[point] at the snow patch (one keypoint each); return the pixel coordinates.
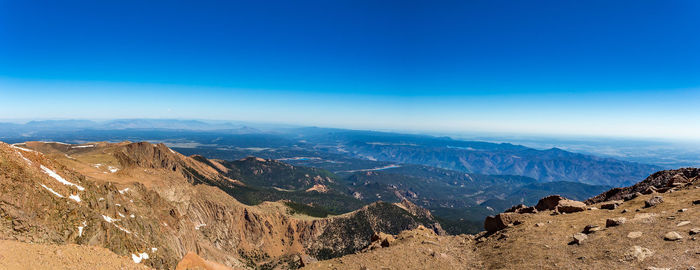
(109, 219)
(74, 197)
(113, 169)
(196, 227)
(52, 191)
(154, 249)
(59, 178)
(171, 151)
(138, 258)
(123, 190)
(118, 204)
(120, 214)
(100, 199)
(80, 229)
(22, 148)
(83, 146)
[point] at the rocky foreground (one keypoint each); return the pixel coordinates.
(141, 205)
(657, 228)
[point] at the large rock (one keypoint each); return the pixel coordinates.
(579, 238)
(653, 201)
(570, 206)
(611, 205)
(499, 222)
(672, 236)
(548, 203)
(612, 222)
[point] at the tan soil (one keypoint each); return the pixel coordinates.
(18, 255)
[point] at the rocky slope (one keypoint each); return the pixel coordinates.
(658, 230)
(153, 205)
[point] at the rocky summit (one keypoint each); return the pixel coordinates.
(141, 205)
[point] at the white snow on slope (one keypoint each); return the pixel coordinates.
(83, 146)
(21, 148)
(74, 197)
(196, 227)
(112, 169)
(59, 178)
(140, 257)
(52, 191)
(123, 190)
(80, 229)
(109, 219)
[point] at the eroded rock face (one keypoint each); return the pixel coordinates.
(161, 221)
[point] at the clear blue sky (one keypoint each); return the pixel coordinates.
(622, 68)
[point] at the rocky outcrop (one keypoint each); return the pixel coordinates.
(657, 182)
(500, 221)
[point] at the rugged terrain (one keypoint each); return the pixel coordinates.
(643, 232)
(154, 205)
(148, 205)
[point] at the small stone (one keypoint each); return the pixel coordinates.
(624, 211)
(696, 202)
(653, 201)
(638, 253)
(539, 224)
(612, 222)
(683, 223)
(682, 210)
(672, 236)
(634, 235)
(579, 238)
(694, 231)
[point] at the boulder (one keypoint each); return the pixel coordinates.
(612, 222)
(570, 206)
(611, 205)
(672, 236)
(694, 231)
(653, 201)
(579, 238)
(500, 221)
(696, 202)
(548, 203)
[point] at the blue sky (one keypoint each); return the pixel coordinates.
(605, 68)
